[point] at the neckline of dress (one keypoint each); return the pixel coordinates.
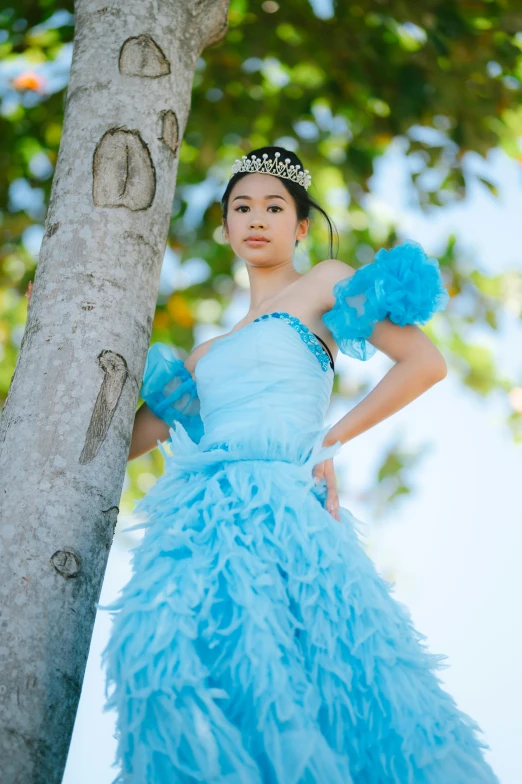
(254, 321)
(284, 314)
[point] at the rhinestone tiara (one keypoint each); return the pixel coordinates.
(266, 165)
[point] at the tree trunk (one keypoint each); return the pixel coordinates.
(67, 421)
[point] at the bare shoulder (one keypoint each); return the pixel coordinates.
(324, 275)
(196, 354)
(192, 360)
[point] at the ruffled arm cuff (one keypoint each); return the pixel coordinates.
(170, 391)
(402, 284)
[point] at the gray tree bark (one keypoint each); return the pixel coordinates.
(67, 422)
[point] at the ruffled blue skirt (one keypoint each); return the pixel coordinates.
(256, 642)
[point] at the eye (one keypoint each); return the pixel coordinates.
(241, 208)
(275, 207)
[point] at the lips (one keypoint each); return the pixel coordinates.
(257, 239)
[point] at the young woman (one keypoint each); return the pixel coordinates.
(255, 641)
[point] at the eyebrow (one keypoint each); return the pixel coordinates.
(273, 196)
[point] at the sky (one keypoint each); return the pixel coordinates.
(454, 546)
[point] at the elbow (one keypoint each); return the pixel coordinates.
(431, 369)
(435, 369)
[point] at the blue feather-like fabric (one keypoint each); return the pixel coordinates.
(403, 284)
(255, 642)
(169, 390)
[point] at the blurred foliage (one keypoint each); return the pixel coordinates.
(338, 87)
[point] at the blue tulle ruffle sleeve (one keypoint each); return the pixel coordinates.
(170, 391)
(402, 284)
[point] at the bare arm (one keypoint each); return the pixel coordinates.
(147, 429)
(418, 365)
(406, 380)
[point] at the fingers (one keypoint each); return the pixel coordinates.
(332, 498)
(326, 469)
(332, 505)
(29, 291)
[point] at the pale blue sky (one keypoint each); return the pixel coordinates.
(454, 548)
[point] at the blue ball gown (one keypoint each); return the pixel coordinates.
(255, 641)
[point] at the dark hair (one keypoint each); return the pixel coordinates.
(303, 202)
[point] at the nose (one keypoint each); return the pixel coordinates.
(257, 222)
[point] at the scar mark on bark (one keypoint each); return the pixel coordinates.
(32, 328)
(137, 237)
(111, 516)
(141, 56)
(52, 229)
(115, 369)
(219, 34)
(170, 130)
(67, 562)
(123, 171)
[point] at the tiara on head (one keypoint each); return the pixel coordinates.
(266, 165)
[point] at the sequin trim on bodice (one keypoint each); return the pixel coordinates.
(309, 337)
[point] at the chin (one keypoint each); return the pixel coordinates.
(255, 254)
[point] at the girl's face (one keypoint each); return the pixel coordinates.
(261, 224)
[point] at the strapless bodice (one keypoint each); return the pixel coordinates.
(263, 375)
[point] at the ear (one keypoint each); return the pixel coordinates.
(225, 230)
(302, 229)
